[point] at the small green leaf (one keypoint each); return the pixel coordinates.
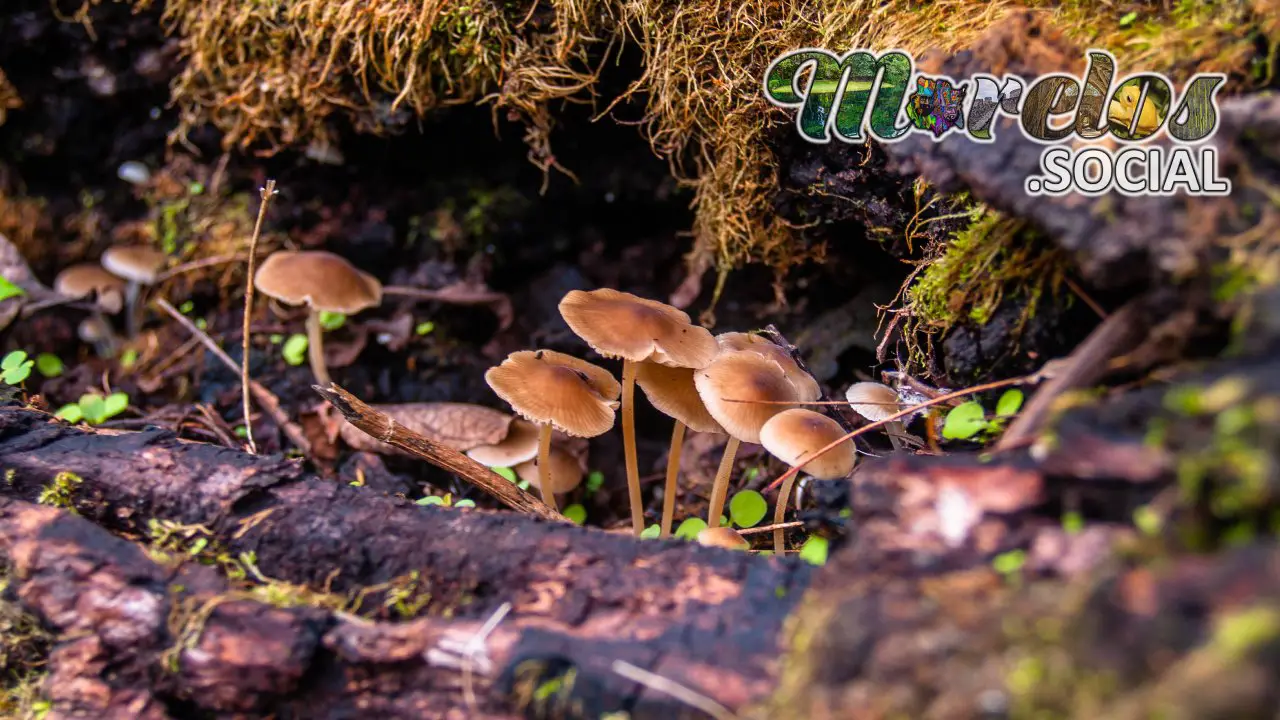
(964, 421)
(1072, 523)
(748, 508)
(187, 307)
(653, 532)
(1147, 520)
(1128, 18)
(690, 528)
(1009, 562)
(9, 290)
(202, 323)
(523, 485)
(295, 349)
(240, 431)
(507, 473)
(70, 412)
(275, 338)
(1009, 403)
(465, 502)
(114, 404)
(424, 328)
(49, 365)
(195, 188)
(814, 551)
(93, 407)
(431, 500)
(128, 358)
(198, 545)
(332, 320)
(13, 360)
(576, 513)
(595, 481)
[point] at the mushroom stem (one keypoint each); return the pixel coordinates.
(893, 430)
(721, 487)
(132, 310)
(673, 473)
(629, 444)
(544, 466)
(315, 348)
(779, 513)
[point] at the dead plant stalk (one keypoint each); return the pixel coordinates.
(267, 191)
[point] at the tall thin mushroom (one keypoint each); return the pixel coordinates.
(875, 402)
(793, 436)
(621, 325)
(139, 265)
(671, 390)
(556, 391)
(322, 281)
(728, 386)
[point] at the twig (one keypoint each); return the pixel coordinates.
(381, 427)
(1083, 366)
(265, 193)
(770, 528)
(187, 267)
(903, 413)
(266, 399)
(689, 697)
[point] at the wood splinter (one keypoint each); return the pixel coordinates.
(379, 426)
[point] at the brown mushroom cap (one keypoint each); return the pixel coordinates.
(740, 341)
(85, 279)
(460, 426)
(545, 386)
(621, 325)
(566, 471)
(135, 263)
(520, 444)
(320, 279)
(92, 329)
(744, 376)
(671, 390)
(873, 400)
(796, 434)
(723, 537)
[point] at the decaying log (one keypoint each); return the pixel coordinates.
(584, 598)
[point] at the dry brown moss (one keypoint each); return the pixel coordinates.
(276, 74)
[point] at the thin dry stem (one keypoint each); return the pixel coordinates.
(268, 191)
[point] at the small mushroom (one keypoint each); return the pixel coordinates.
(520, 445)
(556, 391)
(671, 390)
(723, 537)
(565, 470)
(138, 265)
(876, 402)
(88, 279)
(324, 282)
(621, 325)
(460, 426)
(804, 382)
(757, 382)
(795, 435)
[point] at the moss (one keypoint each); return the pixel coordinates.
(61, 492)
(272, 75)
(24, 650)
(966, 278)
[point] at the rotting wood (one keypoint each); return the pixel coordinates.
(381, 427)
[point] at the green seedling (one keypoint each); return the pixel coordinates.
(595, 481)
(1009, 563)
(689, 529)
(511, 476)
(331, 321)
(815, 549)
(128, 358)
(94, 408)
(1072, 523)
(653, 532)
(295, 349)
(576, 513)
(49, 365)
(15, 368)
(186, 307)
(969, 420)
(424, 328)
(748, 508)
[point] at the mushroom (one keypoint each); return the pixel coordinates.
(460, 426)
(795, 435)
(671, 390)
(565, 471)
(83, 280)
(621, 325)
(804, 382)
(876, 402)
(723, 537)
(138, 265)
(325, 283)
(743, 376)
(556, 391)
(520, 445)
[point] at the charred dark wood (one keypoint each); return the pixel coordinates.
(711, 617)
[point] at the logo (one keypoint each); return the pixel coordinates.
(861, 95)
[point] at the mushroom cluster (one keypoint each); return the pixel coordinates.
(113, 285)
